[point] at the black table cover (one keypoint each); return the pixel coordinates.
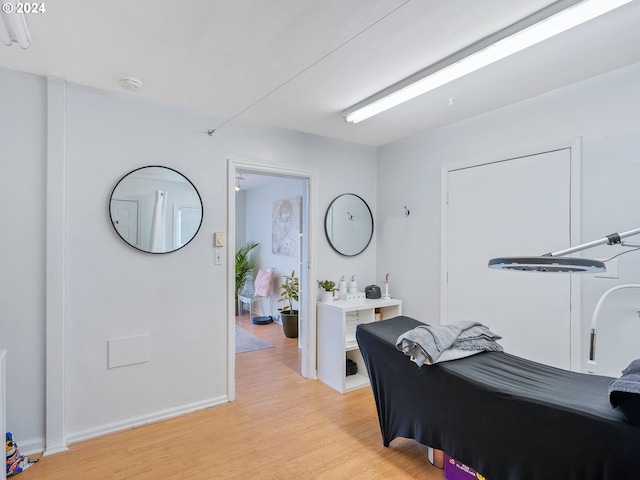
(504, 416)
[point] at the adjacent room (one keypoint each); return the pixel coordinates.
(374, 158)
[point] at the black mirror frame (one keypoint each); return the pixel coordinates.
(326, 233)
(141, 249)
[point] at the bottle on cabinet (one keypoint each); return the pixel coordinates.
(353, 285)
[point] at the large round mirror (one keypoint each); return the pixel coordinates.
(156, 209)
(348, 224)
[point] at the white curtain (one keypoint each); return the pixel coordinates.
(158, 223)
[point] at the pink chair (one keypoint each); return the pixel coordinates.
(261, 289)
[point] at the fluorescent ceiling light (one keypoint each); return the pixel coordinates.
(13, 28)
(526, 37)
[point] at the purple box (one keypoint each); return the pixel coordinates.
(455, 470)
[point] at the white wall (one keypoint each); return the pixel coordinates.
(116, 291)
(603, 111)
(22, 250)
(347, 177)
(112, 290)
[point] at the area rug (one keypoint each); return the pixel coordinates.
(247, 342)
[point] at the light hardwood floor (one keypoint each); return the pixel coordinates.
(281, 426)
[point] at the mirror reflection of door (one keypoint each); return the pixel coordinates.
(124, 215)
(186, 221)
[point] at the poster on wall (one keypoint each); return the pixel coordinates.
(285, 227)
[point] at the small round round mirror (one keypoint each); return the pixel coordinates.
(348, 225)
(156, 209)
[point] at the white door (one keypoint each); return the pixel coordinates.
(124, 214)
(514, 207)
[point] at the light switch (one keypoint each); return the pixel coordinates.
(218, 239)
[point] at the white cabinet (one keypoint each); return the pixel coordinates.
(337, 322)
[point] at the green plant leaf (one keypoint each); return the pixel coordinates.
(245, 265)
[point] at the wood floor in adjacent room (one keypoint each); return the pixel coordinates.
(281, 426)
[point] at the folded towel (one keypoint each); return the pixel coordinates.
(426, 343)
(453, 353)
(629, 382)
(478, 337)
(623, 393)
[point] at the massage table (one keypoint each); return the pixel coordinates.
(504, 416)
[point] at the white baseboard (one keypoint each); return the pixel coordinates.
(53, 451)
(37, 446)
(30, 447)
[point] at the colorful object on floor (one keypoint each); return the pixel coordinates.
(455, 470)
(16, 463)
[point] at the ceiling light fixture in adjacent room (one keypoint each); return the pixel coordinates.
(532, 30)
(13, 28)
(238, 178)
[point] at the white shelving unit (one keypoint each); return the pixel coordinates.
(337, 323)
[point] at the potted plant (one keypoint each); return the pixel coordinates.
(289, 294)
(245, 265)
(328, 287)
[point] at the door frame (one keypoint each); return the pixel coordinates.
(308, 367)
(574, 146)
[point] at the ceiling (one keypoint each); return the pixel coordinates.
(298, 64)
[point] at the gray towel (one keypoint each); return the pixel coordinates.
(426, 343)
(629, 382)
(477, 337)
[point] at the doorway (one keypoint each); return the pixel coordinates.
(275, 183)
(269, 215)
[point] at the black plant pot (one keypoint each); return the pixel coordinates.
(290, 323)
